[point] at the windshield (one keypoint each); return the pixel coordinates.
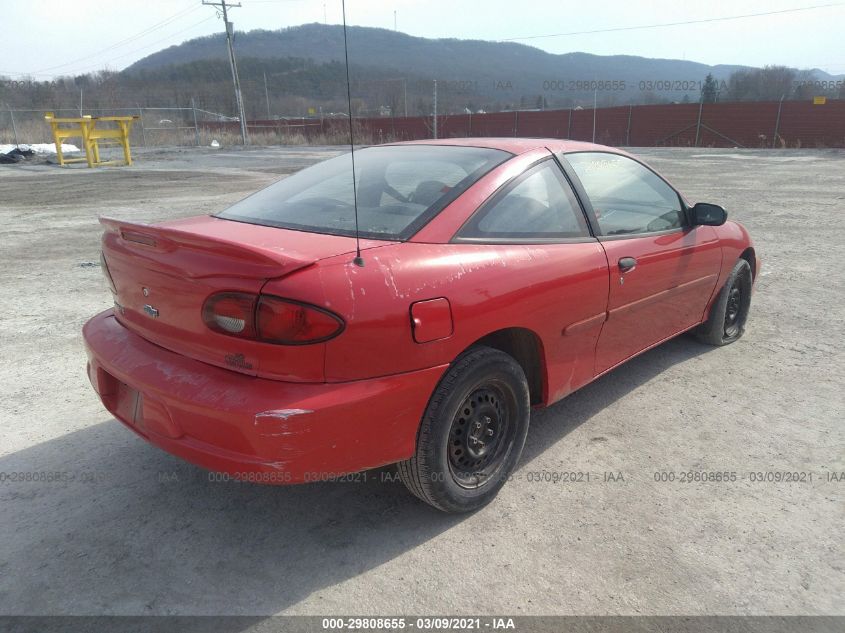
(400, 188)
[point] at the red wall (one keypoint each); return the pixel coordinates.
(752, 124)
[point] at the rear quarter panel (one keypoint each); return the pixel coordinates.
(542, 288)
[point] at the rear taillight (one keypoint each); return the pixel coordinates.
(283, 321)
(231, 313)
(269, 319)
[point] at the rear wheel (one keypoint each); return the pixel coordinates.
(472, 433)
(729, 313)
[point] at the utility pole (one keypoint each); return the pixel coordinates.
(267, 95)
(235, 79)
(435, 108)
(698, 124)
(14, 127)
(777, 122)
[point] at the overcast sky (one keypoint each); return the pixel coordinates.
(50, 37)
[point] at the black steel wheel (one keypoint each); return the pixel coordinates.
(726, 322)
(472, 433)
(482, 433)
(733, 310)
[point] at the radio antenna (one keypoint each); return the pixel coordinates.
(358, 261)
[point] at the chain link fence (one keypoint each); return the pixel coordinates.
(751, 124)
(154, 127)
(182, 126)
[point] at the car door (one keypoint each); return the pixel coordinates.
(662, 271)
(553, 278)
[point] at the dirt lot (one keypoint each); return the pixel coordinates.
(127, 529)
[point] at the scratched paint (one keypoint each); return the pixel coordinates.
(281, 414)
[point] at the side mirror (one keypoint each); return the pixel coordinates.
(707, 214)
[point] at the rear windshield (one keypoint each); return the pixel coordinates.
(400, 188)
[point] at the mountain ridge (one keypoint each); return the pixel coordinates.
(392, 69)
(402, 52)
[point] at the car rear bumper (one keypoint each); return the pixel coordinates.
(252, 428)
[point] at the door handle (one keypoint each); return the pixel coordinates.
(626, 264)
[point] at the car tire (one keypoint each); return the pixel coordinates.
(726, 322)
(472, 432)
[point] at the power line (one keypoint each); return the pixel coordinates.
(163, 39)
(666, 24)
(131, 38)
(132, 52)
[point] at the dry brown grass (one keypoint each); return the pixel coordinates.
(31, 128)
(29, 131)
(36, 130)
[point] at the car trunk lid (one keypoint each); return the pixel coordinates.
(163, 274)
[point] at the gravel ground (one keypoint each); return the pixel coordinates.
(123, 528)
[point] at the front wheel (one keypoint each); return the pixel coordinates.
(472, 433)
(726, 322)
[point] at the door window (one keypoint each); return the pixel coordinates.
(627, 197)
(538, 204)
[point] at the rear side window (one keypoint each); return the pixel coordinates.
(400, 188)
(537, 205)
(406, 178)
(627, 197)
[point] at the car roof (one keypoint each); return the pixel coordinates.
(516, 145)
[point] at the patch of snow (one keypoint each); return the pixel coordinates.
(40, 148)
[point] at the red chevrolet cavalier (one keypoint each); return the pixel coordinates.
(496, 275)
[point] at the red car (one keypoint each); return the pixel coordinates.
(496, 275)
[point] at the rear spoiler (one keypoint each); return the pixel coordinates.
(210, 252)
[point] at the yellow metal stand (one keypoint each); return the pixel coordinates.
(87, 128)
